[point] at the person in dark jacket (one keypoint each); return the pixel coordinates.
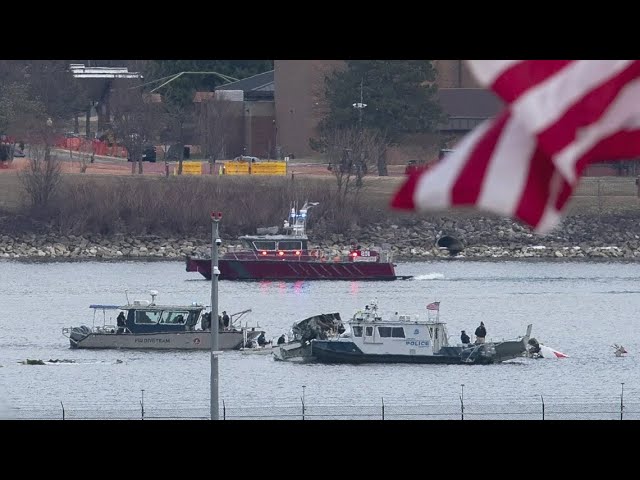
(282, 340)
(481, 333)
(121, 322)
(261, 340)
(464, 338)
(225, 319)
(206, 321)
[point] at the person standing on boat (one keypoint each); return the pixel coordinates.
(262, 341)
(206, 321)
(481, 333)
(121, 321)
(464, 338)
(225, 319)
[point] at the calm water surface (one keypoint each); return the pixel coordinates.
(578, 308)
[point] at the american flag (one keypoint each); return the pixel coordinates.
(434, 306)
(560, 116)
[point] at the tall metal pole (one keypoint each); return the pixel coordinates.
(215, 242)
(361, 104)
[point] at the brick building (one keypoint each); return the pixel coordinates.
(299, 91)
(278, 110)
(253, 125)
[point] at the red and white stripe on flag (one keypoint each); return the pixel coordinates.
(561, 115)
(434, 306)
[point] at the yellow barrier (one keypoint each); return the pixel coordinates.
(189, 168)
(269, 168)
(236, 168)
(192, 168)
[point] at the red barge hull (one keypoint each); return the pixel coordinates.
(285, 269)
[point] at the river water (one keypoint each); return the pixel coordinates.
(580, 309)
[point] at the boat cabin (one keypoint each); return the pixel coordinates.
(293, 244)
(398, 335)
(276, 245)
(145, 317)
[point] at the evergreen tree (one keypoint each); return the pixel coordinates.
(399, 97)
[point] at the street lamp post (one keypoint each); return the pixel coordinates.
(360, 105)
(215, 243)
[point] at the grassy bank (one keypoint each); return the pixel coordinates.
(181, 205)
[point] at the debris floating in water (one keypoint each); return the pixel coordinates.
(32, 362)
(619, 350)
(29, 361)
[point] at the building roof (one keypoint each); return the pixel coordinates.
(260, 82)
(467, 107)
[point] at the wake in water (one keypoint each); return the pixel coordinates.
(429, 276)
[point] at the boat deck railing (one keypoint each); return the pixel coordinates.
(104, 329)
(316, 255)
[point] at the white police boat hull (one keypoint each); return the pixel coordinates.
(406, 339)
(334, 351)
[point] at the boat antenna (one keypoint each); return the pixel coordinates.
(154, 294)
(126, 294)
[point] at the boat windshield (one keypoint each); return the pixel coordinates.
(267, 245)
(166, 317)
(175, 318)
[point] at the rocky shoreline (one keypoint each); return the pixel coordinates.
(580, 238)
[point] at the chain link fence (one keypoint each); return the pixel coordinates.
(613, 409)
(604, 194)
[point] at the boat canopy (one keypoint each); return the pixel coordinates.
(105, 307)
(153, 306)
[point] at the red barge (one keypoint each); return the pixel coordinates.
(287, 256)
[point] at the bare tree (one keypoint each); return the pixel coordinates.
(375, 145)
(137, 119)
(41, 177)
(179, 115)
(52, 84)
(214, 126)
(34, 106)
(352, 154)
(20, 114)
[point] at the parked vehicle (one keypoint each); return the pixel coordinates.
(246, 158)
(148, 154)
(412, 166)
